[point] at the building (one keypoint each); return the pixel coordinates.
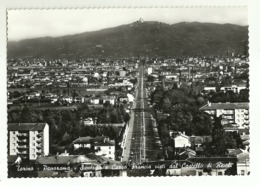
(243, 160)
(210, 89)
(122, 73)
(105, 148)
(234, 88)
(182, 140)
(101, 145)
(243, 164)
(88, 121)
(28, 140)
(149, 70)
(237, 113)
(110, 99)
(214, 166)
(88, 165)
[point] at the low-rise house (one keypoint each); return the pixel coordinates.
(123, 99)
(89, 165)
(209, 89)
(110, 99)
(105, 148)
(182, 140)
(88, 121)
(214, 166)
(243, 164)
(101, 145)
(79, 99)
(243, 161)
(170, 168)
(54, 99)
(234, 88)
(95, 100)
(68, 99)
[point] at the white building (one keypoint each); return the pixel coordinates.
(101, 144)
(110, 99)
(130, 97)
(69, 99)
(149, 70)
(106, 148)
(243, 164)
(231, 112)
(234, 88)
(182, 140)
(28, 140)
(88, 121)
(210, 89)
(95, 100)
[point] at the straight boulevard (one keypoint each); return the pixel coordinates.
(142, 142)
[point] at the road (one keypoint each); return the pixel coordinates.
(142, 142)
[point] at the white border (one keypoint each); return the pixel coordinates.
(254, 50)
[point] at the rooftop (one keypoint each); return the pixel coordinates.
(55, 159)
(226, 106)
(26, 126)
(62, 160)
(89, 139)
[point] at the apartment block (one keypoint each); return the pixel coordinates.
(28, 140)
(233, 113)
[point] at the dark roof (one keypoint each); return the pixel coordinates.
(226, 106)
(89, 139)
(167, 163)
(106, 143)
(212, 159)
(12, 159)
(55, 159)
(243, 157)
(71, 159)
(26, 126)
(235, 152)
(86, 139)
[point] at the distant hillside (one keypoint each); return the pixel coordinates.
(146, 38)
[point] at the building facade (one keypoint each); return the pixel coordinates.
(28, 140)
(101, 145)
(233, 113)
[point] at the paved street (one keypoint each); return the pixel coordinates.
(142, 143)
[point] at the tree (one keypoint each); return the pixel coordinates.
(157, 95)
(202, 124)
(126, 117)
(150, 78)
(180, 118)
(25, 115)
(166, 104)
(221, 140)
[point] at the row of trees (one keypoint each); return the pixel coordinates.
(221, 140)
(181, 110)
(177, 109)
(229, 96)
(113, 114)
(65, 125)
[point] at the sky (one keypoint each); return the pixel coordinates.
(23, 24)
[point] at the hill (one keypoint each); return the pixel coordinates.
(139, 38)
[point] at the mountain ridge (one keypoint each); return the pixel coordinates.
(138, 38)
